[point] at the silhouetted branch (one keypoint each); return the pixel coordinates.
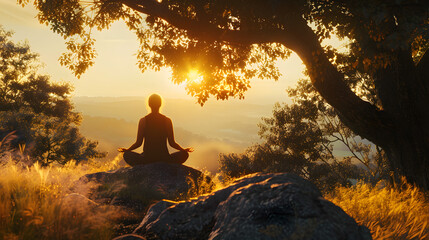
(361, 116)
(205, 30)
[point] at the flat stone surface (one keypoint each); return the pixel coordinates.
(138, 187)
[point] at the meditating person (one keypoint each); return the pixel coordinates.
(155, 129)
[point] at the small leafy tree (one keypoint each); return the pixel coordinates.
(301, 138)
(38, 111)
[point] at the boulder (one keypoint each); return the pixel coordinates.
(259, 206)
(129, 237)
(138, 187)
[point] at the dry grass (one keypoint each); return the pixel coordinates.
(35, 203)
(389, 213)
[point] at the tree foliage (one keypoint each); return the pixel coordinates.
(230, 42)
(38, 111)
(307, 138)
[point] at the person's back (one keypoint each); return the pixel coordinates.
(155, 129)
(155, 144)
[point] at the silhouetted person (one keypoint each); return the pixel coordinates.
(156, 129)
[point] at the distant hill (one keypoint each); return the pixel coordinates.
(217, 127)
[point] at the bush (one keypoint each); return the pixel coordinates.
(307, 138)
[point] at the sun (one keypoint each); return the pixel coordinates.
(195, 76)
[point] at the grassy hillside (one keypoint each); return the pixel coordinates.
(36, 203)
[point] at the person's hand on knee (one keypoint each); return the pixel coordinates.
(189, 149)
(122, 149)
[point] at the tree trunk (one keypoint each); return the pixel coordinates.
(400, 126)
(409, 157)
(403, 91)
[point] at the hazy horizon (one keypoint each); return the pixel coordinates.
(216, 128)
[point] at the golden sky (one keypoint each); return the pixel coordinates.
(218, 127)
(115, 72)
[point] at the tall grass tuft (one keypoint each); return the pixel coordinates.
(37, 203)
(389, 212)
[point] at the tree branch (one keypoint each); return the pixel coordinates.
(204, 30)
(361, 116)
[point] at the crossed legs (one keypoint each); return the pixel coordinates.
(133, 158)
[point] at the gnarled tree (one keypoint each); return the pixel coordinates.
(229, 42)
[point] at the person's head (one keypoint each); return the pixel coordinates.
(155, 102)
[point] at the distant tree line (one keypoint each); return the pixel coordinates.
(37, 117)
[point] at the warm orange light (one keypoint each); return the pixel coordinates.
(194, 76)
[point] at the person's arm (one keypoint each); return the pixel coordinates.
(170, 138)
(139, 139)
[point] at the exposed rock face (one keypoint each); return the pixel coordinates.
(269, 206)
(138, 186)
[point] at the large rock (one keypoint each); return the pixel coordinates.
(269, 206)
(129, 237)
(137, 187)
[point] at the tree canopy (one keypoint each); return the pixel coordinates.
(37, 111)
(229, 42)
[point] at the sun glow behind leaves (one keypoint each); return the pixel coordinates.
(195, 76)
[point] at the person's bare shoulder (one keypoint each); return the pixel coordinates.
(167, 119)
(142, 120)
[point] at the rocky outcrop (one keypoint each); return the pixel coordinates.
(260, 206)
(138, 187)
